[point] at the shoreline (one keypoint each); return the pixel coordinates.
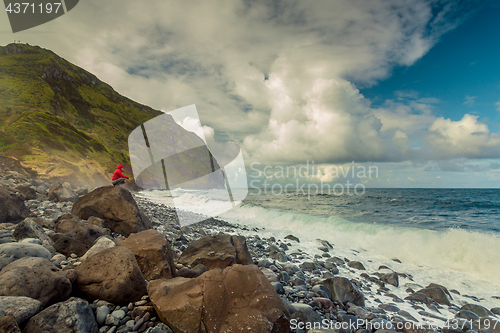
(379, 297)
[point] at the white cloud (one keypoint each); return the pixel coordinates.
(470, 100)
(280, 78)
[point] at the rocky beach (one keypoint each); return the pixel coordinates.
(109, 260)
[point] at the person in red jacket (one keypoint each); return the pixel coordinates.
(118, 177)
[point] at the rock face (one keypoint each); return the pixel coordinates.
(12, 208)
(153, 254)
(62, 192)
(28, 192)
(343, 290)
(37, 278)
(115, 206)
(216, 251)
(236, 299)
(10, 252)
(21, 308)
(8, 325)
(113, 275)
(75, 315)
(77, 241)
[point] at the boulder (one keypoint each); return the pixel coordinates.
(436, 293)
(342, 290)
(480, 310)
(78, 241)
(74, 315)
(191, 272)
(102, 243)
(113, 276)
(28, 228)
(391, 278)
(37, 278)
(8, 325)
(28, 192)
(236, 299)
(153, 254)
(21, 308)
(69, 222)
(356, 265)
(10, 252)
(216, 251)
(62, 192)
(12, 207)
(115, 206)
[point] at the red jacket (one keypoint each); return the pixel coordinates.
(118, 173)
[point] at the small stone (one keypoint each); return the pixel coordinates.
(101, 314)
(119, 314)
(110, 320)
(139, 303)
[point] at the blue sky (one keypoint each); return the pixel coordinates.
(462, 71)
(409, 86)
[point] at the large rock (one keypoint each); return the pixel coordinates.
(153, 254)
(21, 308)
(115, 206)
(216, 251)
(343, 290)
(480, 310)
(77, 241)
(113, 275)
(12, 207)
(236, 299)
(437, 294)
(75, 316)
(28, 192)
(28, 228)
(62, 192)
(70, 222)
(10, 252)
(37, 278)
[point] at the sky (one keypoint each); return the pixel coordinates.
(411, 87)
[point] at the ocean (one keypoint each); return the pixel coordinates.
(445, 236)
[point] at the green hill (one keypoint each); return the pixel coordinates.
(62, 121)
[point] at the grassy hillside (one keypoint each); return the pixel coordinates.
(61, 120)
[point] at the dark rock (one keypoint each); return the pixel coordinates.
(12, 207)
(238, 299)
(37, 278)
(437, 294)
(28, 192)
(73, 315)
(418, 297)
(342, 290)
(192, 273)
(390, 278)
(21, 308)
(62, 192)
(479, 310)
(292, 237)
(116, 207)
(112, 275)
(28, 228)
(153, 254)
(356, 265)
(216, 251)
(77, 241)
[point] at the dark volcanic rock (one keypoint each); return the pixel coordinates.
(77, 241)
(37, 278)
(73, 315)
(343, 290)
(236, 299)
(115, 206)
(153, 254)
(12, 207)
(216, 251)
(112, 275)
